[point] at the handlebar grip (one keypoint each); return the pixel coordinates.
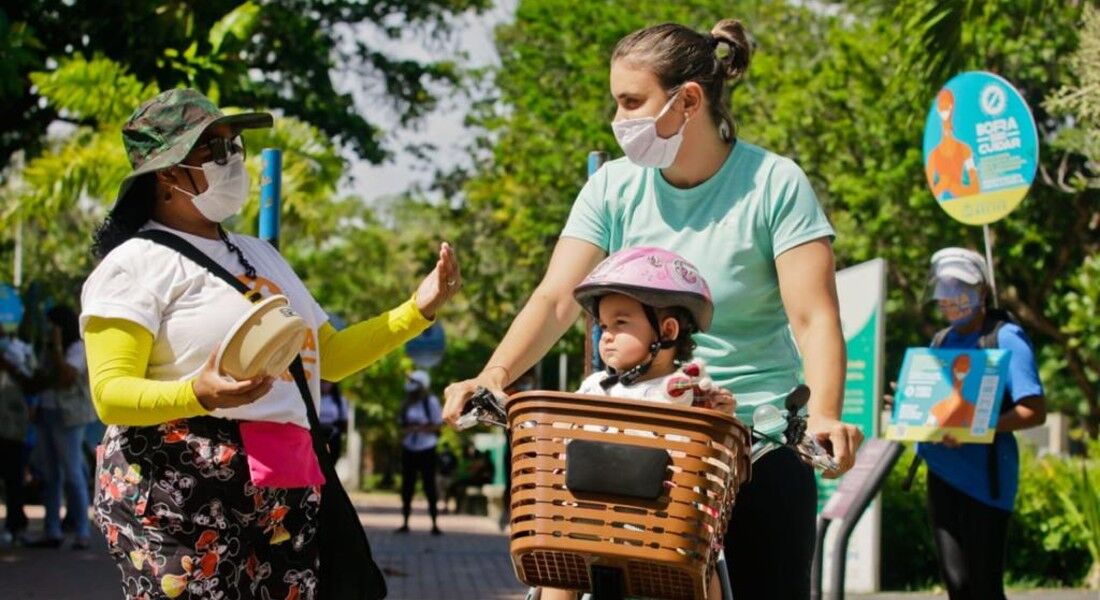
(466, 421)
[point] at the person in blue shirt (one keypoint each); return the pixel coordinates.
(420, 417)
(972, 487)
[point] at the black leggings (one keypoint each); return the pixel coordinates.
(415, 464)
(11, 471)
(970, 542)
(770, 537)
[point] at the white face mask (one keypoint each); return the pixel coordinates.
(226, 188)
(639, 140)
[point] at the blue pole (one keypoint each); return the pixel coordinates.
(271, 192)
(596, 159)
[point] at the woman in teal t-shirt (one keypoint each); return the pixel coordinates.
(751, 223)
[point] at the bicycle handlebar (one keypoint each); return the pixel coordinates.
(484, 407)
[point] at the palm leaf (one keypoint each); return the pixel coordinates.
(98, 90)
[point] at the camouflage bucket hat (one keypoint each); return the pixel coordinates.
(164, 129)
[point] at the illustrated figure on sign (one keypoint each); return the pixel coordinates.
(951, 171)
(954, 410)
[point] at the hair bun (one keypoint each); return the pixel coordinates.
(740, 47)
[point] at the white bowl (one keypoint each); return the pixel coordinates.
(262, 342)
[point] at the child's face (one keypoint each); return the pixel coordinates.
(627, 333)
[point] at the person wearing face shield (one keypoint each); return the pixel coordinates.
(751, 222)
(420, 417)
(178, 495)
(972, 487)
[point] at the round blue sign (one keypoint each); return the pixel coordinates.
(981, 147)
(426, 349)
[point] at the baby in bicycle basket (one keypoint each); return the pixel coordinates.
(648, 303)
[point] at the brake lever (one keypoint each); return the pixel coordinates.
(807, 445)
(815, 454)
(482, 407)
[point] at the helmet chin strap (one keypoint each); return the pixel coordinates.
(630, 376)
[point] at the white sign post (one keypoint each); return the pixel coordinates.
(862, 292)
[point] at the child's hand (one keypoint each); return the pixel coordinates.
(717, 398)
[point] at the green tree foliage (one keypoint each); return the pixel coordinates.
(76, 177)
(842, 89)
(278, 54)
(60, 194)
(553, 108)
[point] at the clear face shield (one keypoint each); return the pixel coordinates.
(958, 301)
(952, 270)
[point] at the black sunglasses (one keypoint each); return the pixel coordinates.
(221, 149)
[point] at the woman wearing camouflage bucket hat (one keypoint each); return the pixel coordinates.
(180, 493)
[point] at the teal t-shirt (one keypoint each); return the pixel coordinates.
(732, 227)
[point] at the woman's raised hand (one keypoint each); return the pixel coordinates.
(214, 391)
(441, 284)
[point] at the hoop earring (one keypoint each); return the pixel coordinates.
(724, 130)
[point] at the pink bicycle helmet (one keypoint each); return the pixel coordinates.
(652, 276)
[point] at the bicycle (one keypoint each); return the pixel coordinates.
(620, 498)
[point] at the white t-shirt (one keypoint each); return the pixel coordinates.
(415, 414)
(651, 389)
(190, 310)
(74, 356)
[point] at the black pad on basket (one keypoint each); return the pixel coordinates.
(616, 469)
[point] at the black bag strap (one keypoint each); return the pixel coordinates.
(188, 250)
(994, 320)
(175, 242)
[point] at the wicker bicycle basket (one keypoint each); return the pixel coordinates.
(664, 548)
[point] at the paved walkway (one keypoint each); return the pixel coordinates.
(469, 562)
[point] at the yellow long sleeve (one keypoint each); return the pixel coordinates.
(345, 352)
(118, 354)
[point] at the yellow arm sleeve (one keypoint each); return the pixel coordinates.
(118, 354)
(345, 352)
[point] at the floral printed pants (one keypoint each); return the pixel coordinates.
(183, 519)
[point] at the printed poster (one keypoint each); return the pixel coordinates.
(949, 391)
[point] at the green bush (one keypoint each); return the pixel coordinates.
(1049, 536)
(1046, 544)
